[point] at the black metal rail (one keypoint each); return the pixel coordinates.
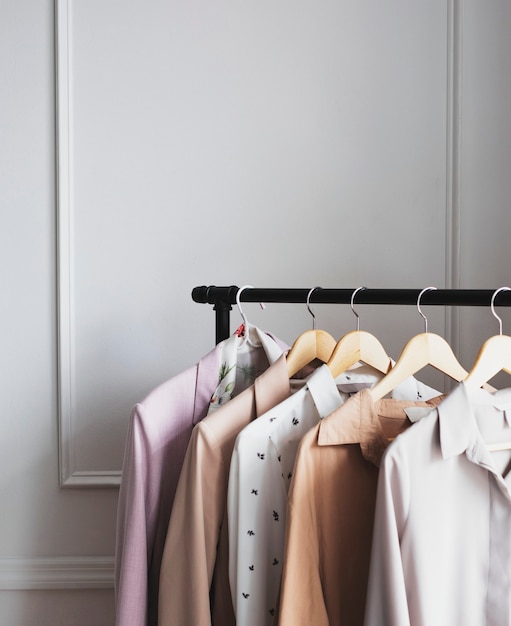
(222, 298)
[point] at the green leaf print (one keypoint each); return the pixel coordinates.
(224, 370)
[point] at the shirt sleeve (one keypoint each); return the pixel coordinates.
(193, 533)
(137, 523)
(158, 433)
(301, 594)
(386, 597)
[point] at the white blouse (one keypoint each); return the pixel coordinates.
(441, 552)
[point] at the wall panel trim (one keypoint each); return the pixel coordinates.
(68, 473)
(454, 63)
(56, 573)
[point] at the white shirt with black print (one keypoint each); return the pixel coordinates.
(260, 475)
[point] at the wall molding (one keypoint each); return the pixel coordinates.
(453, 165)
(56, 573)
(69, 474)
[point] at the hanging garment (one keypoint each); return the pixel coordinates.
(197, 543)
(260, 474)
(158, 434)
(331, 507)
(442, 544)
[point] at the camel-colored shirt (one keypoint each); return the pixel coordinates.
(331, 511)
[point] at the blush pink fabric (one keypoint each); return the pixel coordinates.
(159, 431)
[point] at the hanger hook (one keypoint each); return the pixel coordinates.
(309, 307)
(419, 306)
(353, 308)
(493, 306)
(243, 316)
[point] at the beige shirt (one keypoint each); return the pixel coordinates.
(331, 511)
(194, 580)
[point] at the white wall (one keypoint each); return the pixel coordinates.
(272, 144)
(282, 144)
(485, 188)
(41, 526)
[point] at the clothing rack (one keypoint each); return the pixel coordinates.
(222, 298)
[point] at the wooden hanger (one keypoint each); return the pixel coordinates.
(310, 345)
(494, 355)
(423, 349)
(358, 345)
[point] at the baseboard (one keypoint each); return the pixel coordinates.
(57, 573)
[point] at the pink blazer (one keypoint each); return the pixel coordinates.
(159, 431)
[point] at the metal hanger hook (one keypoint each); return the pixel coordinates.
(352, 305)
(309, 307)
(243, 316)
(493, 305)
(419, 306)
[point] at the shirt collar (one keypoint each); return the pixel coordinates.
(458, 427)
(456, 423)
(413, 389)
(258, 338)
(241, 343)
(361, 376)
(323, 390)
(358, 377)
(358, 421)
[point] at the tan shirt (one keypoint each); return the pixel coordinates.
(194, 578)
(331, 512)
